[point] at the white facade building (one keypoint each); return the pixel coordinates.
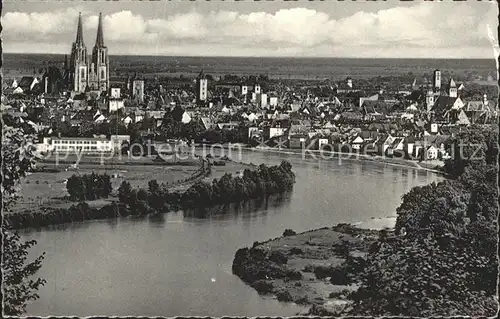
(263, 100)
(115, 93)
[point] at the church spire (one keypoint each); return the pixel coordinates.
(99, 41)
(79, 32)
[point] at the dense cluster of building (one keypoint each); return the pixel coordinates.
(417, 117)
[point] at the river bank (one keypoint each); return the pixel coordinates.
(317, 268)
(429, 166)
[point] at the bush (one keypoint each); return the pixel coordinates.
(296, 251)
(263, 286)
(284, 296)
(278, 257)
(289, 232)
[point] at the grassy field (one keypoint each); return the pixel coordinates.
(48, 189)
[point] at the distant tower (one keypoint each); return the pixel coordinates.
(138, 90)
(429, 100)
(257, 89)
(99, 67)
(349, 82)
(201, 88)
(437, 81)
(78, 68)
(452, 89)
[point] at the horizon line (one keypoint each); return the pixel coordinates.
(271, 57)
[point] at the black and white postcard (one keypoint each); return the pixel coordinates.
(249, 158)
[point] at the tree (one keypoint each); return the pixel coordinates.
(76, 188)
(475, 146)
(430, 276)
(124, 192)
(437, 208)
(177, 113)
(18, 285)
(153, 186)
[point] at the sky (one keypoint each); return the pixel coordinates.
(381, 29)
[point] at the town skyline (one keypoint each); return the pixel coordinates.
(299, 30)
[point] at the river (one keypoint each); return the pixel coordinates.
(179, 265)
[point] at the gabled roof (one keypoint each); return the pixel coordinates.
(396, 141)
(26, 81)
(201, 75)
(452, 83)
(436, 139)
(462, 118)
(475, 106)
(443, 104)
(368, 135)
(373, 107)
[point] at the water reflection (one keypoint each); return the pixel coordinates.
(156, 220)
(246, 209)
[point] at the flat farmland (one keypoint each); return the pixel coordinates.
(47, 189)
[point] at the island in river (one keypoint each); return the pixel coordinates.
(317, 267)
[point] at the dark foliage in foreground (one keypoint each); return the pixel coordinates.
(443, 259)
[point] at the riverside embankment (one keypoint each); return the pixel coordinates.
(433, 166)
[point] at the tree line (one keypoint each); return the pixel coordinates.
(252, 184)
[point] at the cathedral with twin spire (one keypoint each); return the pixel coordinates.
(86, 74)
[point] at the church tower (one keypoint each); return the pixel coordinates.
(436, 83)
(78, 68)
(429, 100)
(201, 88)
(99, 67)
(452, 89)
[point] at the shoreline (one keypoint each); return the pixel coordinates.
(312, 268)
(406, 163)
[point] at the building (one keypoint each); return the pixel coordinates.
(115, 93)
(84, 144)
(263, 100)
(78, 144)
(244, 89)
(201, 88)
(273, 101)
(452, 89)
(429, 100)
(138, 90)
(53, 81)
(257, 89)
(86, 74)
(26, 84)
(436, 82)
(115, 104)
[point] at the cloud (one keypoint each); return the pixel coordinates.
(39, 23)
(425, 26)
